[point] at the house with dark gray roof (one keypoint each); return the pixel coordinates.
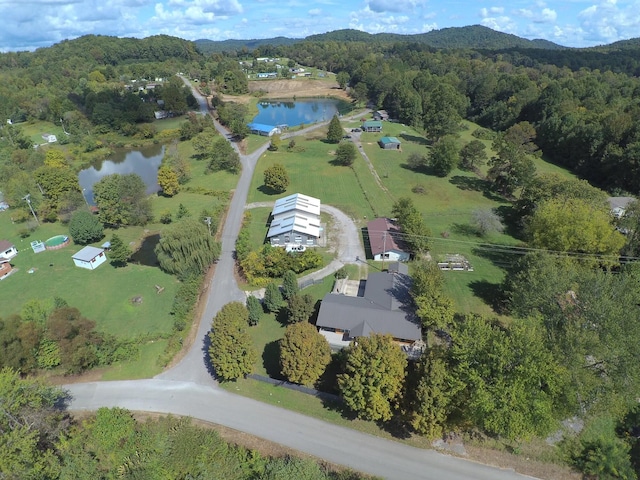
(384, 308)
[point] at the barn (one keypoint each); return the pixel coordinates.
(295, 219)
(389, 143)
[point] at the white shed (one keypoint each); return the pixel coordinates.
(89, 257)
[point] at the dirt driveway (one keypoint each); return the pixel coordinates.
(303, 87)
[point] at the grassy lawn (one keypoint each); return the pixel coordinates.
(258, 226)
(34, 129)
(103, 295)
(145, 366)
(311, 173)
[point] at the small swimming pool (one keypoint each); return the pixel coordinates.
(57, 242)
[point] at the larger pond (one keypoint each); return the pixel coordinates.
(145, 162)
(298, 112)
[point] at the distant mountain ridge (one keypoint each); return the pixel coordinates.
(474, 36)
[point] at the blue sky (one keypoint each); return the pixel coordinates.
(28, 24)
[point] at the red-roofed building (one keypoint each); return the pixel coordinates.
(385, 241)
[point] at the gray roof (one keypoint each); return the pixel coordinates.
(88, 253)
(620, 202)
(384, 308)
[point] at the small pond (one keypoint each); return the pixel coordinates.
(294, 113)
(143, 161)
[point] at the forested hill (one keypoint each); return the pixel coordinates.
(106, 50)
(474, 36)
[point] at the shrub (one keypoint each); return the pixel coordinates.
(85, 227)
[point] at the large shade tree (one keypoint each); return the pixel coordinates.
(231, 350)
(304, 353)
(122, 200)
(374, 376)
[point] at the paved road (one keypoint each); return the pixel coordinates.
(189, 389)
(335, 444)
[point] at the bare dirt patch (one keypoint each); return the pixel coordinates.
(291, 88)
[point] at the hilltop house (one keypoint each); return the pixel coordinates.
(384, 308)
(295, 219)
(380, 115)
(384, 241)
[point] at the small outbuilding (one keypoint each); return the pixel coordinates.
(380, 115)
(7, 250)
(5, 269)
(389, 143)
(385, 241)
(89, 257)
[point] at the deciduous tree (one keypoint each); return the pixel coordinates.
(472, 155)
(273, 298)
(168, 181)
(186, 248)
(374, 376)
(122, 200)
(276, 178)
(346, 154)
(414, 229)
(231, 350)
(444, 156)
(304, 353)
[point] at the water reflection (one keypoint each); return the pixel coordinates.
(144, 162)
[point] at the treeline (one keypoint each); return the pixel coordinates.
(583, 119)
(40, 441)
(50, 335)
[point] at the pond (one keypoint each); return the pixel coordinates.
(294, 113)
(144, 161)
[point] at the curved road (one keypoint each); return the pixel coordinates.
(189, 389)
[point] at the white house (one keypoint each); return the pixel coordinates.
(384, 240)
(7, 250)
(89, 257)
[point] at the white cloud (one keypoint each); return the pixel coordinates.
(607, 22)
(314, 12)
(501, 23)
(405, 6)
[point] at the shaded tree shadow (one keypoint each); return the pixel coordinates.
(491, 293)
(396, 427)
(206, 356)
(513, 223)
(425, 170)
(415, 139)
(268, 191)
(477, 185)
(146, 255)
(271, 360)
(282, 317)
(465, 229)
(364, 233)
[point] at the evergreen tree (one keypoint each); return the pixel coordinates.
(255, 310)
(335, 132)
(289, 284)
(272, 298)
(183, 212)
(300, 308)
(85, 227)
(119, 252)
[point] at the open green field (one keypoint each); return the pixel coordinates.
(144, 366)
(103, 295)
(35, 129)
(312, 173)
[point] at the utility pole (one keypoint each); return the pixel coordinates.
(384, 247)
(27, 197)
